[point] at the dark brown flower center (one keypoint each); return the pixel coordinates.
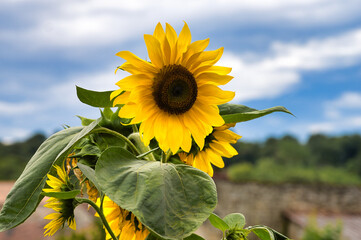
(174, 89)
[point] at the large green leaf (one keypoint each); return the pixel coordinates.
(26, 192)
(93, 98)
(171, 200)
(234, 113)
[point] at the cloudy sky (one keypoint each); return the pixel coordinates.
(302, 54)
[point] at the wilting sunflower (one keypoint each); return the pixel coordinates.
(64, 207)
(175, 96)
(218, 145)
(122, 222)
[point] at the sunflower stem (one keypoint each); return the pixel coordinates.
(168, 155)
(100, 213)
(121, 136)
(135, 128)
(135, 137)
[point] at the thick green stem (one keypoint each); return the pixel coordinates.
(100, 213)
(121, 136)
(135, 137)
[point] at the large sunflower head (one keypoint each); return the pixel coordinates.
(175, 96)
(218, 145)
(122, 222)
(64, 207)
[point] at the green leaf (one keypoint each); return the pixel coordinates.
(89, 173)
(171, 200)
(235, 220)
(234, 113)
(263, 233)
(88, 150)
(217, 222)
(62, 195)
(93, 98)
(26, 192)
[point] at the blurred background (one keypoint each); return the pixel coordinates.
(300, 175)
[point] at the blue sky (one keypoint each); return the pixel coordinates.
(302, 54)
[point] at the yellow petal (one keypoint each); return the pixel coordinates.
(215, 158)
(154, 50)
(206, 58)
(184, 39)
(195, 47)
(213, 78)
(210, 91)
(213, 69)
(137, 62)
(174, 133)
(133, 81)
(159, 32)
(115, 93)
(128, 111)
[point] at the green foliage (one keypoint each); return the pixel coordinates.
(158, 194)
(234, 113)
(93, 98)
(329, 232)
(26, 193)
(268, 170)
(233, 224)
(13, 157)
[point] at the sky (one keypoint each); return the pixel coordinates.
(301, 54)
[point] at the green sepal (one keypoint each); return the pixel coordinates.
(85, 121)
(170, 200)
(218, 222)
(235, 220)
(62, 195)
(93, 98)
(234, 113)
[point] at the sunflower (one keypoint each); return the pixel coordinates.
(122, 222)
(175, 96)
(64, 207)
(218, 145)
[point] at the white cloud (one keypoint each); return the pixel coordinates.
(90, 22)
(276, 73)
(16, 109)
(341, 114)
(10, 135)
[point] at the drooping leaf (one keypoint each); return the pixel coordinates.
(217, 222)
(93, 98)
(235, 220)
(234, 113)
(62, 195)
(26, 192)
(171, 200)
(263, 233)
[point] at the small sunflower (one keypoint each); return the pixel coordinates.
(218, 145)
(64, 207)
(122, 222)
(175, 96)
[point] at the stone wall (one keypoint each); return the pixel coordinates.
(265, 203)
